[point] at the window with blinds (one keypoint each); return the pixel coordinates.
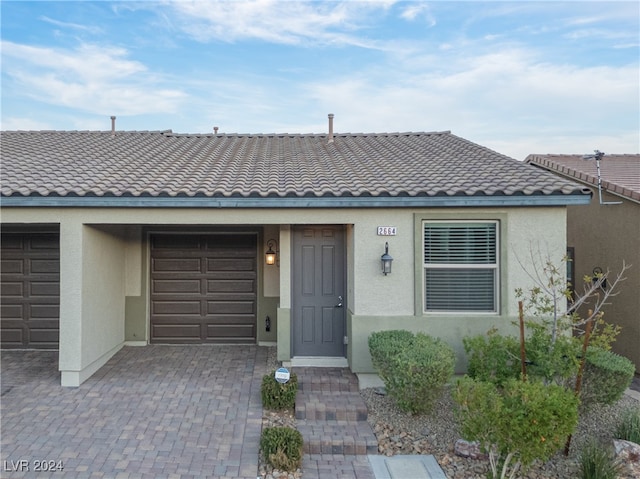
(461, 266)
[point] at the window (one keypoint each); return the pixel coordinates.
(571, 274)
(460, 266)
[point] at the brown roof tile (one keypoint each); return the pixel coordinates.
(620, 174)
(74, 163)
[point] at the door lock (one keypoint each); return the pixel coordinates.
(339, 305)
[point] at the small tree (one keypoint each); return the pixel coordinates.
(522, 421)
(557, 308)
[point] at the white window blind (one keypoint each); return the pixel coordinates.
(461, 266)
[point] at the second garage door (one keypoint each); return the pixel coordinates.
(30, 289)
(203, 288)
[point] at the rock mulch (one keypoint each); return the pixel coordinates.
(284, 418)
(401, 433)
(628, 453)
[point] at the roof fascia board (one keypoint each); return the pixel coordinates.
(323, 202)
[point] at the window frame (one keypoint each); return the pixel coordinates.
(495, 267)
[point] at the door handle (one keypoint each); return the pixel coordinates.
(339, 305)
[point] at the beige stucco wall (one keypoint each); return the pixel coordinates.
(395, 301)
(605, 236)
(92, 300)
(136, 285)
(374, 301)
(103, 292)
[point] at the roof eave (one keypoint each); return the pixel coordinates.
(294, 202)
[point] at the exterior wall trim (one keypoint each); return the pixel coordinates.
(295, 202)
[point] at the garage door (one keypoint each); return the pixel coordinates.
(203, 288)
(30, 290)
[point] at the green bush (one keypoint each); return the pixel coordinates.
(629, 426)
(282, 447)
(496, 358)
(521, 420)
(597, 462)
(606, 377)
(384, 346)
(493, 357)
(278, 396)
(414, 368)
(552, 361)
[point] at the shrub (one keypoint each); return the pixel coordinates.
(277, 395)
(521, 421)
(414, 368)
(597, 462)
(496, 358)
(606, 377)
(384, 346)
(552, 360)
(629, 426)
(493, 357)
(282, 447)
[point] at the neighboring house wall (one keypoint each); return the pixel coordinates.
(102, 289)
(604, 236)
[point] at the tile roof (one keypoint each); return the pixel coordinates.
(620, 174)
(165, 164)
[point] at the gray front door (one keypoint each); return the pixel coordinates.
(318, 301)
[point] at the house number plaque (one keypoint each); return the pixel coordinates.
(387, 230)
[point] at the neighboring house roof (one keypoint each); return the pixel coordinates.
(141, 168)
(620, 174)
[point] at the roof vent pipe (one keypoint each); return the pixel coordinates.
(215, 130)
(113, 126)
(330, 137)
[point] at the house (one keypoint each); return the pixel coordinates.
(135, 237)
(607, 232)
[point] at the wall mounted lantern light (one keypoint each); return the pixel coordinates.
(271, 256)
(598, 275)
(386, 260)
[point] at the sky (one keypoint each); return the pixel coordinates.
(517, 77)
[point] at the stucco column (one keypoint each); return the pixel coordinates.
(92, 299)
(70, 353)
(284, 310)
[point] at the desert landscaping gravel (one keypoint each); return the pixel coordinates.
(401, 433)
(436, 433)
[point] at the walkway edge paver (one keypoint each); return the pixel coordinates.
(406, 467)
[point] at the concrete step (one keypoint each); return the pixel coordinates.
(330, 413)
(341, 406)
(337, 437)
(326, 380)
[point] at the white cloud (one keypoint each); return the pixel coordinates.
(418, 9)
(507, 96)
(73, 26)
(91, 78)
(87, 62)
(274, 21)
(21, 123)
(498, 86)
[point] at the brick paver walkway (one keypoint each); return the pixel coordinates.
(151, 412)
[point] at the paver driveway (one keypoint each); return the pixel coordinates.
(150, 412)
